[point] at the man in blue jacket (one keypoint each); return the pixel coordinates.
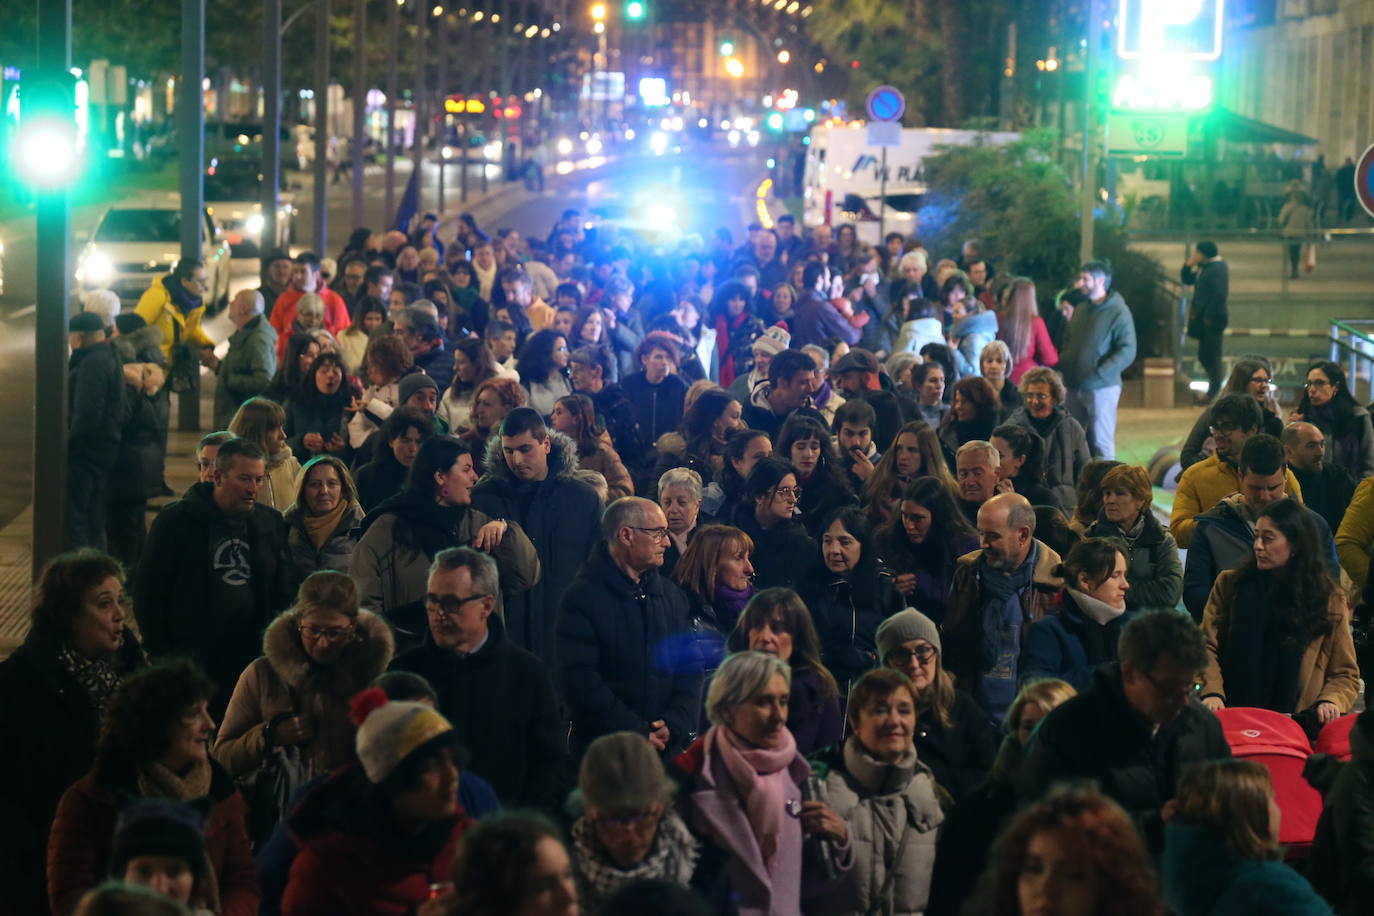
(1100, 346)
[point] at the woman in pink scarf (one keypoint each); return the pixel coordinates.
(744, 798)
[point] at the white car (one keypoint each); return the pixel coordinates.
(233, 196)
(138, 241)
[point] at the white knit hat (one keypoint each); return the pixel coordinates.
(389, 732)
(102, 302)
(773, 341)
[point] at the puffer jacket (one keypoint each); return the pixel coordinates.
(283, 472)
(971, 334)
(335, 553)
(1153, 567)
(894, 818)
(286, 680)
(1066, 452)
(399, 540)
(156, 308)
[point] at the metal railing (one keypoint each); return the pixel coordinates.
(1354, 348)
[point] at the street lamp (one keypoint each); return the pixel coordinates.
(734, 67)
(784, 56)
(598, 11)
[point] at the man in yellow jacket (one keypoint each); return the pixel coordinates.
(175, 304)
(1235, 418)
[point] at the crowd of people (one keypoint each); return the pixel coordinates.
(562, 575)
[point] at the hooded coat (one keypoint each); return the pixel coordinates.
(562, 517)
(399, 541)
(500, 701)
(287, 680)
(189, 593)
(628, 655)
(53, 725)
(1066, 453)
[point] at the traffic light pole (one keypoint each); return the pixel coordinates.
(271, 122)
(322, 176)
(359, 106)
(50, 327)
(191, 131)
(389, 148)
(1088, 190)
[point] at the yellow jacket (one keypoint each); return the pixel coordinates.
(155, 307)
(1357, 533)
(1201, 487)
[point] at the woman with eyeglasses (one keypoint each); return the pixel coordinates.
(433, 511)
(1070, 645)
(629, 830)
(316, 656)
(776, 622)
(849, 593)
(767, 512)
(1251, 375)
(1278, 628)
(922, 542)
(1328, 403)
(1066, 445)
(953, 735)
(879, 785)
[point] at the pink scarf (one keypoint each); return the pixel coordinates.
(760, 777)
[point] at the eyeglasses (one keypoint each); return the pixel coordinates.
(1316, 383)
(789, 493)
(1035, 397)
(1224, 428)
(1174, 691)
(658, 534)
(449, 605)
(1259, 380)
(903, 657)
(632, 820)
(327, 634)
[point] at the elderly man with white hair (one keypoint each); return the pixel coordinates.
(626, 655)
(248, 366)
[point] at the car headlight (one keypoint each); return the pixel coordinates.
(492, 150)
(96, 269)
(565, 147)
(253, 225)
(658, 142)
(593, 146)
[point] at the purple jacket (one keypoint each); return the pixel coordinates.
(715, 811)
(817, 319)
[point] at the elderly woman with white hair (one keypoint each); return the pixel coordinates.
(743, 797)
(629, 830)
(679, 496)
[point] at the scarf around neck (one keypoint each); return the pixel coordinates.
(731, 603)
(672, 858)
(320, 527)
(1099, 612)
(1000, 589)
(874, 775)
(760, 777)
(156, 781)
(96, 676)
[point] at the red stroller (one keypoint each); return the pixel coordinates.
(1281, 746)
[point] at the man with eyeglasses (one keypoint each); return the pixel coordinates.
(1225, 535)
(499, 697)
(997, 592)
(530, 481)
(1235, 418)
(1326, 486)
(1136, 728)
(628, 659)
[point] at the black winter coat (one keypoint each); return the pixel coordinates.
(51, 725)
(500, 701)
(95, 405)
(561, 516)
(137, 471)
(1098, 735)
(379, 480)
(847, 615)
(627, 655)
(780, 553)
(960, 756)
(617, 414)
(196, 559)
(658, 408)
(318, 414)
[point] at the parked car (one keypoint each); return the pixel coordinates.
(233, 195)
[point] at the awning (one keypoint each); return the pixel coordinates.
(1233, 128)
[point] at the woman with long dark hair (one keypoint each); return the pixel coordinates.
(369, 317)
(806, 442)
(1020, 326)
(699, 443)
(574, 416)
(743, 449)
(850, 593)
(767, 513)
(1022, 461)
(737, 327)
(473, 364)
(394, 452)
(589, 330)
(543, 368)
(315, 412)
(922, 542)
(432, 512)
(1328, 403)
(715, 574)
(292, 367)
(1278, 628)
(914, 453)
(1251, 375)
(973, 414)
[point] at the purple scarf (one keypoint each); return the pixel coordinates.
(730, 603)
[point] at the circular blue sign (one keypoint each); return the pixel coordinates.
(886, 103)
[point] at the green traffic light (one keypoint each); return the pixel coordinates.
(775, 121)
(727, 48)
(634, 10)
(45, 154)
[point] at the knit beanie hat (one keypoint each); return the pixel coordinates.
(622, 772)
(903, 627)
(102, 302)
(772, 341)
(158, 827)
(390, 732)
(412, 383)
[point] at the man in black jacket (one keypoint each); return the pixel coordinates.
(1210, 278)
(627, 655)
(591, 372)
(96, 392)
(1326, 486)
(215, 571)
(529, 481)
(1138, 725)
(498, 696)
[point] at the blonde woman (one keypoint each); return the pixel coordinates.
(263, 423)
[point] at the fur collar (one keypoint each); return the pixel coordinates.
(562, 459)
(361, 662)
